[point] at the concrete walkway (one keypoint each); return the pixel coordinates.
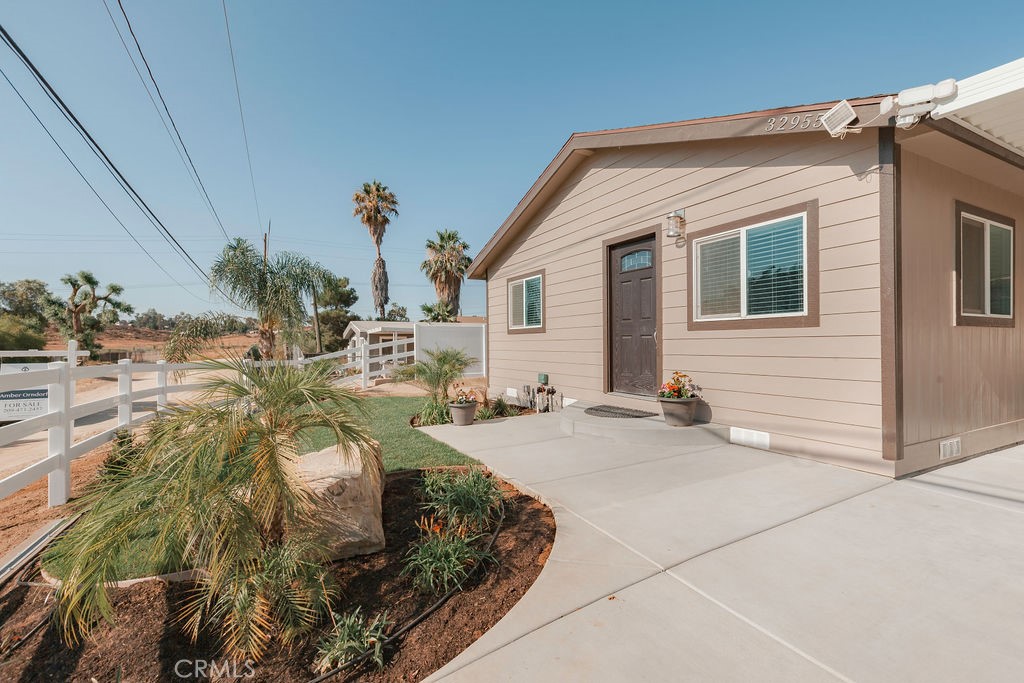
(696, 560)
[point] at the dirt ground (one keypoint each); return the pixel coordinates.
(22, 513)
(147, 644)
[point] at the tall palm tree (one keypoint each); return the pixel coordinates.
(215, 487)
(272, 287)
(375, 204)
(446, 265)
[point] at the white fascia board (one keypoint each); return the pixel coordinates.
(982, 87)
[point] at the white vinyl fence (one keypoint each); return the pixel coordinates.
(61, 411)
(358, 365)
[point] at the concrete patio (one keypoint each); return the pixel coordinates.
(679, 556)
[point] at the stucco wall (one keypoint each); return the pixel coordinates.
(817, 390)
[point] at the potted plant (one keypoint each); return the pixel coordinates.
(679, 397)
(463, 408)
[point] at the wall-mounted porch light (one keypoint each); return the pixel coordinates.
(675, 223)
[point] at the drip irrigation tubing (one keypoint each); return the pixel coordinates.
(416, 620)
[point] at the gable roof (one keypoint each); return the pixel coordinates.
(579, 146)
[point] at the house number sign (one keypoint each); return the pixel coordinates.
(779, 124)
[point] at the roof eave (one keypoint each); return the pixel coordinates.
(579, 146)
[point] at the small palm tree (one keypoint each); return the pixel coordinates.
(272, 287)
(375, 204)
(216, 487)
(436, 374)
(446, 265)
(440, 312)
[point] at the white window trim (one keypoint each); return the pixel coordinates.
(987, 223)
(742, 232)
(523, 280)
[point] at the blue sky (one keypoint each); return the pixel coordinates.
(457, 106)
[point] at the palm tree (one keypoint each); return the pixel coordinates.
(446, 266)
(440, 312)
(375, 204)
(215, 487)
(273, 288)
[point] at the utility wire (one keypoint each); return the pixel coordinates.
(200, 186)
(86, 181)
(98, 151)
(241, 115)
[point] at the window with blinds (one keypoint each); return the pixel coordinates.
(985, 267)
(755, 271)
(526, 303)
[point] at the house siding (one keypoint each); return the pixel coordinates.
(957, 380)
(816, 390)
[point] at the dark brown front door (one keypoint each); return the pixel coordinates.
(634, 318)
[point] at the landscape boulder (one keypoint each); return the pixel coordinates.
(350, 490)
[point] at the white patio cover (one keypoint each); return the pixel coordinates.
(991, 104)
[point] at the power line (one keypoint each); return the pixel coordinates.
(80, 128)
(241, 114)
(86, 181)
(201, 187)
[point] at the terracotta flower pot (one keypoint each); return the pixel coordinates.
(678, 411)
(462, 413)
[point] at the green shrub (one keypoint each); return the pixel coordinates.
(352, 636)
(485, 413)
(442, 559)
(469, 499)
(434, 413)
(17, 334)
(503, 408)
(124, 455)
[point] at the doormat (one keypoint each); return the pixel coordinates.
(616, 411)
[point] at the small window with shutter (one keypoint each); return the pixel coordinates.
(526, 303)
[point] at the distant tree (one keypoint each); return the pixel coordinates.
(375, 204)
(152, 319)
(18, 335)
(26, 299)
(273, 288)
(398, 314)
(316, 279)
(446, 265)
(440, 312)
(86, 312)
(336, 301)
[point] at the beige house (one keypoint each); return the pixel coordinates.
(849, 299)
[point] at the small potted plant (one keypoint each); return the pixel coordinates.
(679, 397)
(463, 408)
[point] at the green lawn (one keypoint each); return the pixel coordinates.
(403, 447)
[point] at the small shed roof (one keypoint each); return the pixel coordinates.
(375, 326)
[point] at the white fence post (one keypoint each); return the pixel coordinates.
(58, 438)
(72, 364)
(364, 355)
(124, 391)
(161, 382)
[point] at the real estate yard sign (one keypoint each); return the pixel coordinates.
(22, 404)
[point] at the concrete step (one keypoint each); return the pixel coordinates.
(647, 431)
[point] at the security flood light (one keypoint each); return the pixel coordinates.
(837, 119)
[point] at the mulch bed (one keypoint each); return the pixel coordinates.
(146, 643)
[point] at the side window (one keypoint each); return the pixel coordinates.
(526, 303)
(984, 267)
